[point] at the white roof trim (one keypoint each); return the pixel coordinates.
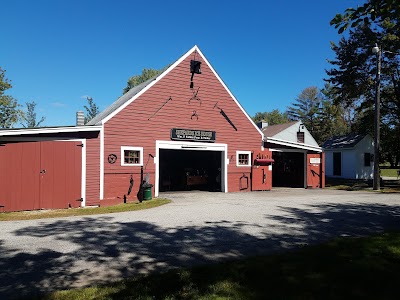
(166, 72)
(229, 92)
(14, 132)
(148, 86)
(293, 144)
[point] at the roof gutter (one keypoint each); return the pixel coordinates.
(292, 144)
(48, 130)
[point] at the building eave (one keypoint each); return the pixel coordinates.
(292, 144)
(48, 130)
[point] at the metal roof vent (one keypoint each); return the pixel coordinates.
(80, 118)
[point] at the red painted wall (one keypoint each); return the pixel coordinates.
(93, 169)
(316, 172)
(132, 126)
(38, 175)
(261, 179)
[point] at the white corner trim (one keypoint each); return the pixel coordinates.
(83, 184)
(158, 78)
(102, 163)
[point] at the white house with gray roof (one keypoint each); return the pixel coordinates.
(349, 156)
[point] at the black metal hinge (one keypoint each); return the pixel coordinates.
(80, 145)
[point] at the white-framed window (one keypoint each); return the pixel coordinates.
(131, 156)
(243, 158)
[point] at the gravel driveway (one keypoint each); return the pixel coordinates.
(44, 255)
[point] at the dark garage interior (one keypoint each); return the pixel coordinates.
(186, 170)
(288, 169)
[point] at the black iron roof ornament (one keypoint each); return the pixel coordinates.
(195, 68)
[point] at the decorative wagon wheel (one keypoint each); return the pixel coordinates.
(112, 158)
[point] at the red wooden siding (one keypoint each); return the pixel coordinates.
(20, 164)
(40, 175)
(93, 170)
(132, 127)
(261, 176)
(315, 172)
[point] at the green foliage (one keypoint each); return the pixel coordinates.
(10, 111)
(29, 118)
(319, 113)
(272, 117)
(371, 14)
(92, 109)
(353, 73)
(138, 79)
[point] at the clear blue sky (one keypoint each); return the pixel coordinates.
(56, 52)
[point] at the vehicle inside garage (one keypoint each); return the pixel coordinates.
(185, 170)
(288, 169)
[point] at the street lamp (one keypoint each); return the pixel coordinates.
(377, 117)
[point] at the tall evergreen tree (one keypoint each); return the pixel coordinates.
(273, 117)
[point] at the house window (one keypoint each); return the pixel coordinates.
(367, 159)
(131, 156)
(337, 164)
(300, 137)
(243, 158)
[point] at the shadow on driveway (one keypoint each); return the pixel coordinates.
(103, 250)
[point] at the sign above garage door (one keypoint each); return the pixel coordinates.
(195, 135)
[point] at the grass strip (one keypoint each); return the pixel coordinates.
(57, 213)
(345, 268)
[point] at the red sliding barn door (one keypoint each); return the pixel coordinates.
(40, 175)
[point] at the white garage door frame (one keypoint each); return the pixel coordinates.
(193, 146)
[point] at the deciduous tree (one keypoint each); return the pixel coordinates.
(29, 117)
(10, 111)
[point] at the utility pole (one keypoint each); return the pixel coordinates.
(377, 117)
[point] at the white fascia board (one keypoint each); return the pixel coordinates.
(15, 132)
(293, 144)
(229, 92)
(149, 85)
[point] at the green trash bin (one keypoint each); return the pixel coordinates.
(147, 194)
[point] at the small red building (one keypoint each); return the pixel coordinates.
(181, 130)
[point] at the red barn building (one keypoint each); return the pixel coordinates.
(181, 130)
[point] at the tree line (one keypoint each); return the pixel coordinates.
(346, 103)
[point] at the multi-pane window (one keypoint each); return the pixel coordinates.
(131, 156)
(300, 137)
(243, 158)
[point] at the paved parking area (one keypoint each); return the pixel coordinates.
(198, 227)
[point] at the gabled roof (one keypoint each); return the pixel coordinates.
(286, 135)
(272, 130)
(343, 141)
(135, 92)
(120, 101)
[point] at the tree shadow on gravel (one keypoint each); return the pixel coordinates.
(96, 250)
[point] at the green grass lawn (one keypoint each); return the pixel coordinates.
(56, 213)
(346, 268)
(389, 172)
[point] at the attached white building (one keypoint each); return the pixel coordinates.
(349, 156)
(298, 160)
